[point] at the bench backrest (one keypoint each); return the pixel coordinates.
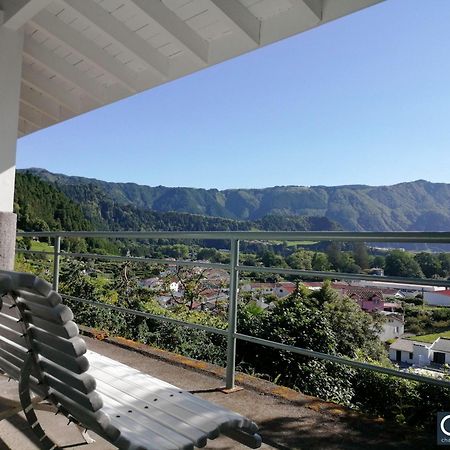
(33, 318)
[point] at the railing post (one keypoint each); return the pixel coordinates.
(232, 313)
(56, 252)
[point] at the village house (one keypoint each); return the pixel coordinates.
(393, 327)
(420, 354)
(280, 290)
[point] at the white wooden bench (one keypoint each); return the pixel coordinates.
(41, 348)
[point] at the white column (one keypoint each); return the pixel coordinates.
(11, 43)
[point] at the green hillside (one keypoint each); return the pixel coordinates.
(41, 205)
(413, 206)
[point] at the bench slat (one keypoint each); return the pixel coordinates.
(176, 411)
(72, 347)
(66, 331)
(78, 365)
(59, 314)
(11, 322)
(148, 434)
(12, 371)
(146, 386)
(52, 299)
(136, 421)
(12, 348)
(13, 336)
(97, 421)
(144, 412)
(91, 402)
(84, 382)
(9, 309)
(23, 280)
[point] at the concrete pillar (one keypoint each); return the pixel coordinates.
(11, 43)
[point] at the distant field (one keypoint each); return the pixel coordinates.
(430, 338)
(41, 246)
(292, 243)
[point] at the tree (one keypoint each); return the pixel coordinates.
(379, 262)
(192, 283)
(444, 259)
(320, 262)
(360, 255)
(430, 264)
(270, 259)
(402, 264)
(300, 259)
(334, 254)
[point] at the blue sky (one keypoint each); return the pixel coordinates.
(362, 100)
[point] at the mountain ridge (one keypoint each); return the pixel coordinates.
(408, 206)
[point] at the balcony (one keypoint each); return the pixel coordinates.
(288, 418)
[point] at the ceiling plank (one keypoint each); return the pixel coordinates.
(16, 13)
(184, 35)
(34, 116)
(43, 56)
(122, 34)
(242, 17)
(26, 127)
(300, 17)
(41, 102)
(65, 33)
(45, 85)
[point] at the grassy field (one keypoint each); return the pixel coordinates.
(41, 246)
(430, 338)
(292, 243)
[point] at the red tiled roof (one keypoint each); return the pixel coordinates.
(362, 292)
(444, 292)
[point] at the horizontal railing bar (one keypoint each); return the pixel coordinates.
(341, 360)
(33, 252)
(394, 236)
(147, 315)
(175, 262)
(346, 276)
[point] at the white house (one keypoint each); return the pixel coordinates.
(420, 354)
(410, 352)
(441, 351)
(393, 327)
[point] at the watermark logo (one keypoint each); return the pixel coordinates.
(443, 428)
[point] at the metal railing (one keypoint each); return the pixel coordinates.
(235, 268)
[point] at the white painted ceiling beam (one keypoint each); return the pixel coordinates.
(34, 116)
(50, 24)
(16, 13)
(54, 63)
(45, 85)
(242, 17)
(26, 127)
(298, 18)
(316, 6)
(99, 17)
(333, 10)
(41, 102)
(184, 35)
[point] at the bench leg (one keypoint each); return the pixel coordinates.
(27, 405)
